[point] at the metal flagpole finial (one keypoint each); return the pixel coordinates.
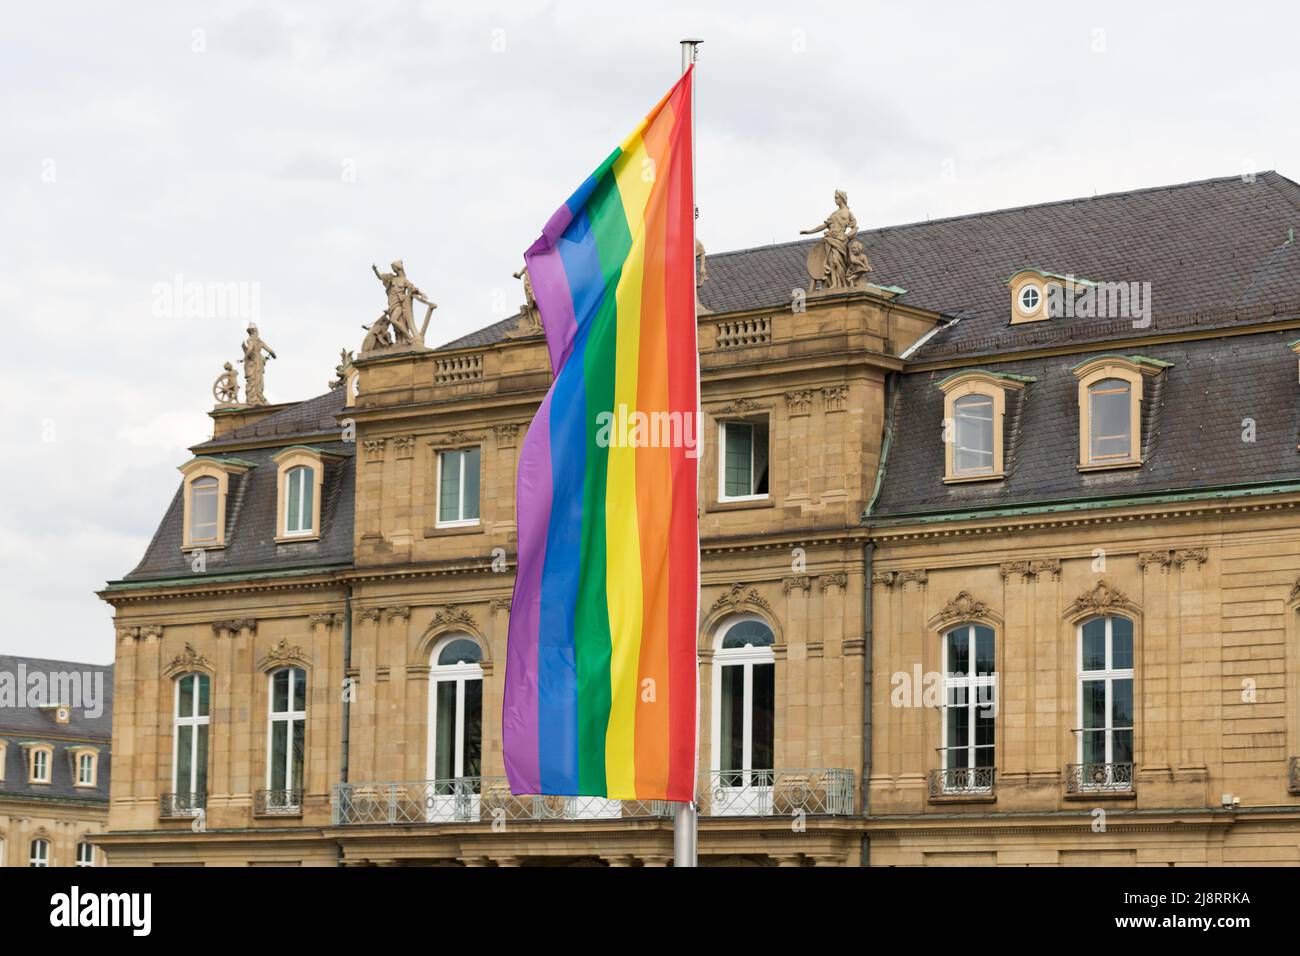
(690, 52)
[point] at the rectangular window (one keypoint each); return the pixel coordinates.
(743, 460)
(203, 509)
(1106, 704)
(458, 487)
(1109, 420)
(970, 708)
(85, 854)
(300, 486)
(41, 766)
(86, 770)
(973, 452)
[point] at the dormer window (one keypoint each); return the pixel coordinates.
(40, 760)
(1030, 298)
(1037, 295)
(1110, 409)
(974, 406)
(85, 766)
(301, 478)
(207, 486)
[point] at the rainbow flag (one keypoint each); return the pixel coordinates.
(601, 678)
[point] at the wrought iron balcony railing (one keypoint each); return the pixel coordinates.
(1098, 777)
(962, 781)
(764, 793)
(182, 804)
(473, 800)
(1293, 776)
(272, 803)
(488, 799)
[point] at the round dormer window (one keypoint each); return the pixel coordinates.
(1031, 297)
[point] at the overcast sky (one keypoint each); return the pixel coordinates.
(288, 146)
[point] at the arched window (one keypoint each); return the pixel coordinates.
(39, 771)
(1109, 418)
(1106, 704)
(973, 416)
(455, 727)
(744, 706)
(969, 709)
(190, 743)
(40, 855)
(299, 488)
(203, 510)
(287, 735)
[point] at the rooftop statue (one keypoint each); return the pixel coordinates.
(401, 292)
(226, 388)
(828, 260)
(255, 367)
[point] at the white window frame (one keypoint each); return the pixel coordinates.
(1094, 389)
(86, 759)
(38, 853)
(196, 722)
(194, 482)
(90, 848)
(306, 476)
(722, 462)
(290, 717)
(1038, 298)
(44, 758)
(744, 657)
(1109, 674)
(972, 682)
(460, 505)
(994, 435)
(442, 807)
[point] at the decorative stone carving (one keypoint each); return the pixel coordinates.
(283, 654)
(369, 615)
(398, 612)
(964, 607)
(499, 604)
(256, 352)
(188, 660)
(741, 406)
(398, 317)
(530, 318)
(151, 632)
(234, 626)
(1163, 558)
(326, 619)
(828, 260)
(739, 596)
(919, 576)
(374, 448)
(1101, 599)
(452, 616)
(128, 633)
(835, 397)
(858, 266)
(343, 370)
(1186, 556)
(1031, 569)
(702, 267)
(883, 577)
(799, 582)
(507, 434)
(453, 438)
(226, 388)
(1294, 596)
(404, 446)
(799, 403)
(837, 580)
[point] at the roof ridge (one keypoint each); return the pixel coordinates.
(1007, 209)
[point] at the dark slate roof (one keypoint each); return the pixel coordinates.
(1218, 245)
(19, 725)
(310, 417)
(251, 523)
(489, 335)
(1192, 430)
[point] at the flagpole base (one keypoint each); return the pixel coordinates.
(685, 835)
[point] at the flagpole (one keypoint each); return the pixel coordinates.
(685, 816)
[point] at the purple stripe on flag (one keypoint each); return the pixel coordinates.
(519, 716)
(554, 301)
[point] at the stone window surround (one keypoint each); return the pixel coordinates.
(75, 755)
(1098, 369)
(38, 748)
(285, 461)
(995, 387)
(221, 470)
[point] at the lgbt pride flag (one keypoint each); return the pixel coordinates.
(601, 694)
